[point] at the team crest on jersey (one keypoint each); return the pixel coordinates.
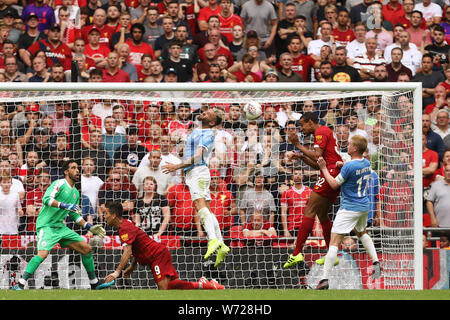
(124, 237)
(319, 138)
(132, 159)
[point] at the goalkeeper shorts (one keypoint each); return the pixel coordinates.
(48, 237)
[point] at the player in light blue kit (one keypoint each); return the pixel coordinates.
(353, 212)
(197, 152)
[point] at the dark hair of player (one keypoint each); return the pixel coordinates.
(66, 164)
(114, 207)
(310, 116)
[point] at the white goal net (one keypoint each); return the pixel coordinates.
(120, 134)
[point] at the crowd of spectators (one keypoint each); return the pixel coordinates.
(255, 184)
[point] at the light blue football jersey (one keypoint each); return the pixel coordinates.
(199, 138)
(354, 181)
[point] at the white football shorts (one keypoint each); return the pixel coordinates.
(198, 180)
(345, 221)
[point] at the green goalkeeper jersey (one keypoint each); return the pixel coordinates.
(49, 216)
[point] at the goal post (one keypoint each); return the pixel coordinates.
(399, 243)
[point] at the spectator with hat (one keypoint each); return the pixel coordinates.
(55, 51)
(9, 18)
(30, 36)
(170, 75)
(271, 76)
(7, 9)
(45, 13)
(95, 50)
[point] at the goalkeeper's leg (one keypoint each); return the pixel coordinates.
(34, 263)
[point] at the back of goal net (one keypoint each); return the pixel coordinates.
(119, 137)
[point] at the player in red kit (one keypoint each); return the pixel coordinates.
(147, 252)
(322, 196)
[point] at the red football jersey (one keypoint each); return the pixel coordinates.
(303, 65)
(144, 248)
(296, 201)
(396, 200)
(106, 33)
(61, 53)
(136, 52)
(343, 38)
(220, 203)
(428, 157)
(325, 139)
(227, 24)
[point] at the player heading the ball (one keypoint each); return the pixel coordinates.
(323, 196)
(61, 199)
(353, 181)
(196, 154)
(147, 252)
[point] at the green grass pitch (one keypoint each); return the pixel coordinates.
(230, 294)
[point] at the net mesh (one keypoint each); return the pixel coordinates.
(40, 129)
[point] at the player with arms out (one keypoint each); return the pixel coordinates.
(61, 199)
(197, 152)
(322, 196)
(147, 252)
(353, 181)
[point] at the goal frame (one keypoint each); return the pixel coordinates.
(415, 87)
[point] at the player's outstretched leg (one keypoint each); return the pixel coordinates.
(210, 285)
(101, 284)
(34, 263)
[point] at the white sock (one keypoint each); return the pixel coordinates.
(330, 259)
(367, 242)
(217, 228)
(207, 219)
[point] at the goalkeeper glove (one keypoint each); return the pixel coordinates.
(70, 207)
(97, 229)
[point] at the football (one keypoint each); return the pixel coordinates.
(252, 110)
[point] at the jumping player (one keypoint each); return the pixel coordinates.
(353, 180)
(322, 196)
(195, 164)
(61, 199)
(147, 252)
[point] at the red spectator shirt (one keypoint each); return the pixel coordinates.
(429, 157)
(343, 38)
(137, 51)
(407, 24)
(101, 52)
(118, 76)
(325, 139)
(396, 199)
(178, 128)
(303, 65)
(221, 202)
(393, 15)
(144, 248)
(249, 226)
(106, 33)
(206, 12)
(179, 199)
(60, 54)
(33, 198)
(227, 24)
(241, 76)
(296, 201)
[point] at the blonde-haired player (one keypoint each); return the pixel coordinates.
(353, 212)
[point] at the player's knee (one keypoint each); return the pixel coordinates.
(163, 285)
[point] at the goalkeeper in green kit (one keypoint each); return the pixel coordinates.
(61, 199)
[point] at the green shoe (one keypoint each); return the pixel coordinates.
(221, 253)
(293, 260)
(321, 261)
(213, 244)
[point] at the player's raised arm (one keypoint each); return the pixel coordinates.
(170, 167)
(328, 177)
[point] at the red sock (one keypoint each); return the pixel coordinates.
(326, 229)
(303, 232)
(182, 285)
